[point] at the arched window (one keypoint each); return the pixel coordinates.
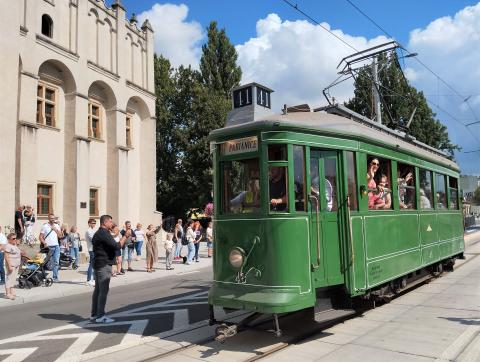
(47, 25)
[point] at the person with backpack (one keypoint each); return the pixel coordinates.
(129, 248)
(49, 236)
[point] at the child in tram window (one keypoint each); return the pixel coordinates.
(385, 194)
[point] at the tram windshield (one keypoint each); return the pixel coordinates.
(241, 186)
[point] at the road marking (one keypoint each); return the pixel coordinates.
(17, 354)
(189, 272)
(459, 345)
(133, 337)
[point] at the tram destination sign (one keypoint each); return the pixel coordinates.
(241, 145)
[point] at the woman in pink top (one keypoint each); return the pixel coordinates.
(13, 258)
(374, 200)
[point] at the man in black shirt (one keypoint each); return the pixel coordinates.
(278, 189)
(104, 248)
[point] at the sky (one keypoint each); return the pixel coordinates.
(281, 49)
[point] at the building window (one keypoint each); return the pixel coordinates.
(94, 120)
(47, 26)
(44, 199)
(46, 104)
(93, 205)
(128, 130)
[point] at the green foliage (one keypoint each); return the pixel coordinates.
(400, 99)
(218, 64)
(190, 104)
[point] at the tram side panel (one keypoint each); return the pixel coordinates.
(450, 234)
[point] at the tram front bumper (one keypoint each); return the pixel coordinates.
(257, 298)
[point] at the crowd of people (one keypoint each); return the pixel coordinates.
(58, 239)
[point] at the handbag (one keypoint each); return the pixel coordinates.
(184, 240)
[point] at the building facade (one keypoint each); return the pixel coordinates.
(78, 112)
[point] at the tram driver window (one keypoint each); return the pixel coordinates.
(379, 183)
(278, 197)
(241, 187)
(406, 186)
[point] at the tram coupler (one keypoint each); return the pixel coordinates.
(229, 329)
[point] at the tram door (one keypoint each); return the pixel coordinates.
(323, 209)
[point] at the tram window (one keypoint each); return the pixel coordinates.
(299, 177)
(440, 188)
(352, 181)
(278, 195)
(277, 153)
(241, 186)
(406, 186)
(331, 183)
(426, 195)
(378, 183)
(453, 190)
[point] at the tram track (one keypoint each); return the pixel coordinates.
(209, 346)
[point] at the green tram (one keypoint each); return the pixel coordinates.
(311, 205)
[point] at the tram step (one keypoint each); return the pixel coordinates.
(332, 314)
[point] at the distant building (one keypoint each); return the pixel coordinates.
(78, 111)
(468, 184)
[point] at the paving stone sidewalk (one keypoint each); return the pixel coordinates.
(439, 321)
(74, 281)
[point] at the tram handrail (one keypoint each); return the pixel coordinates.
(317, 210)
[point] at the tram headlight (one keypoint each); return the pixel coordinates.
(236, 258)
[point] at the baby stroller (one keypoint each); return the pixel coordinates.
(34, 273)
(66, 261)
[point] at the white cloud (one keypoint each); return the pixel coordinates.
(175, 38)
(449, 46)
(297, 60)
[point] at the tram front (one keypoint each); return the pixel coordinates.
(261, 255)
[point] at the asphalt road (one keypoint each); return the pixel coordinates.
(142, 309)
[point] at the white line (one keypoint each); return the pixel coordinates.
(459, 344)
(189, 272)
(17, 354)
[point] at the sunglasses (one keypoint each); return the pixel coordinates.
(375, 163)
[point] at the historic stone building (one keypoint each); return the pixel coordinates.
(77, 123)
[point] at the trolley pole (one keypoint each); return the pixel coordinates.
(376, 94)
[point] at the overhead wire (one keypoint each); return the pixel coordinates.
(463, 98)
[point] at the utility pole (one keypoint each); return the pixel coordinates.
(376, 95)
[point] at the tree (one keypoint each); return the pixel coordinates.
(190, 104)
(399, 101)
(218, 64)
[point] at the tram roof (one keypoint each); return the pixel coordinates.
(322, 122)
